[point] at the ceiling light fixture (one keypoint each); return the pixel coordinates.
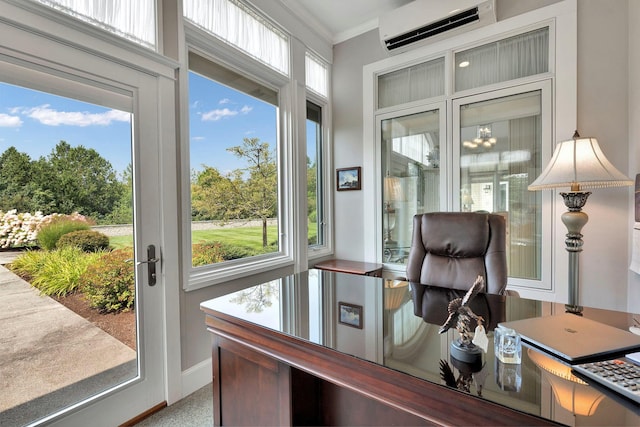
(464, 64)
(483, 138)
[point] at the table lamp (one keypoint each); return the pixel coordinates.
(578, 163)
(392, 193)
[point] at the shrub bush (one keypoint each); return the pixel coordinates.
(50, 233)
(86, 240)
(56, 272)
(206, 253)
(109, 283)
(230, 252)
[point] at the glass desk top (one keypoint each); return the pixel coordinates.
(373, 319)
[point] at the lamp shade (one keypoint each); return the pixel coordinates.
(579, 163)
(393, 189)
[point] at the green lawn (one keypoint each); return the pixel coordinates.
(247, 237)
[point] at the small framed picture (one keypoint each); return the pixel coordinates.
(350, 314)
(348, 178)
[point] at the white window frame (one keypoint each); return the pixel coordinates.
(202, 276)
(562, 20)
(326, 174)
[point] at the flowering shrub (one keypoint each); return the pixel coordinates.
(21, 229)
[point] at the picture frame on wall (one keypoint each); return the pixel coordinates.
(348, 179)
(350, 314)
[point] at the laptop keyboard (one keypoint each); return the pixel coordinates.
(618, 375)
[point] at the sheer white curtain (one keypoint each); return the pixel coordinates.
(133, 20)
(515, 57)
(243, 28)
(316, 75)
(421, 81)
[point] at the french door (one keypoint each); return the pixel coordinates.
(102, 109)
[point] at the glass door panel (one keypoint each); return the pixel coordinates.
(70, 295)
(411, 172)
(500, 142)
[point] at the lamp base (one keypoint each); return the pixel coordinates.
(574, 219)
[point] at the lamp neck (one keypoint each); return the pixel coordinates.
(575, 200)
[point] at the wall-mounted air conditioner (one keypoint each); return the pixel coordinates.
(423, 21)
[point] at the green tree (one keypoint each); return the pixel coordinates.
(210, 195)
(79, 179)
(20, 183)
(122, 212)
(312, 195)
(257, 195)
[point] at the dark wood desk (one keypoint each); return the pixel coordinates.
(351, 267)
(295, 364)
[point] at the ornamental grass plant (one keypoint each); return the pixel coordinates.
(54, 273)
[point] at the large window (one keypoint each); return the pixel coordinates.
(254, 159)
(233, 123)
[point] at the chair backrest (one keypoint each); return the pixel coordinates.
(450, 249)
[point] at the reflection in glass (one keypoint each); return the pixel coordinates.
(499, 157)
(411, 166)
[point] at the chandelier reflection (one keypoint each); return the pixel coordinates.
(483, 138)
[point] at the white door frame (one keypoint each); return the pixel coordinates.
(31, 57)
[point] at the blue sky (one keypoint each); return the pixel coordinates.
(34, 122)
(221, 117)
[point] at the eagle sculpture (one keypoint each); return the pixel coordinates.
(460, 314)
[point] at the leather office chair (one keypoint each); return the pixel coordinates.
(450, 249)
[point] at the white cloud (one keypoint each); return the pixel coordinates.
(7, 121)
(198, 138)
(224, 101)
(221, 113)
(50, 117)
(215, 115)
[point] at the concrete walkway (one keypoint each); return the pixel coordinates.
(50, 357)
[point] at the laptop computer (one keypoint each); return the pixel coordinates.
(573, 338)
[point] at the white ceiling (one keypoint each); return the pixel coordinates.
(339, 20)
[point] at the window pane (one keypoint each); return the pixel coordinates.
(411, 164)
(316, 75)
(499, 159)
(234, 171)
(314, 175)
(243, 28)
(520, 56)
(133, 20)
(418, 82)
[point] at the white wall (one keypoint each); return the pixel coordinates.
(602, 112)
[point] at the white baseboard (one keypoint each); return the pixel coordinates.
(196, 377)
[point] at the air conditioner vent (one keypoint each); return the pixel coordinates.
(424, 21)
(431, 30)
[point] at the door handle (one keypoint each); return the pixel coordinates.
(151, 264)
